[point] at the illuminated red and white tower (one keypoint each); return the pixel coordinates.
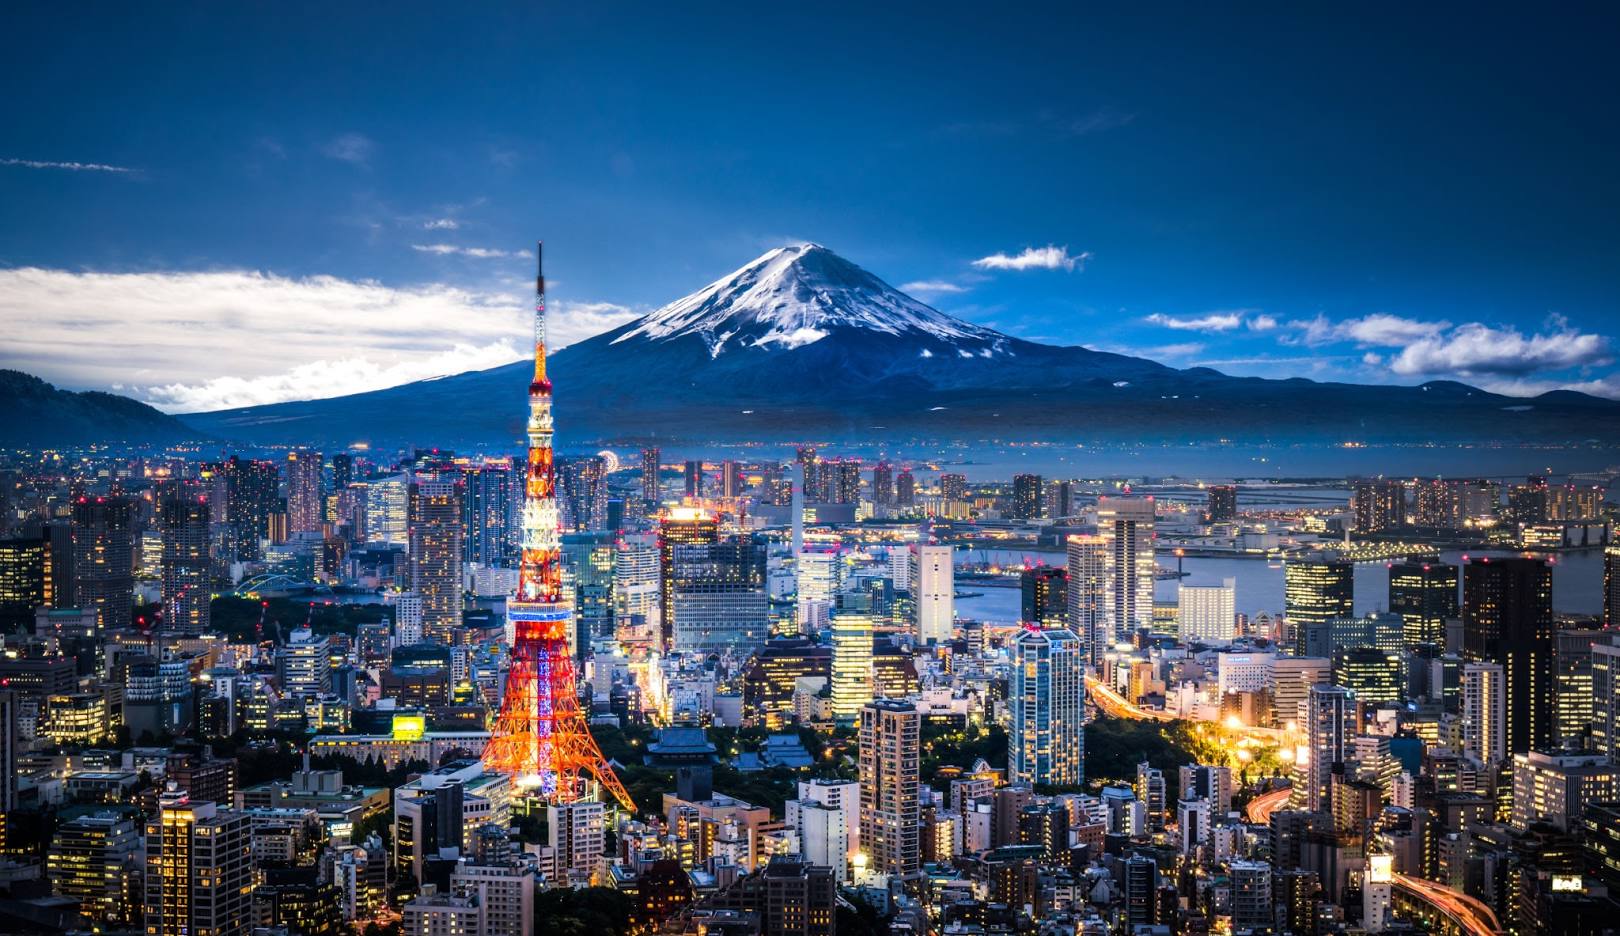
(540, 738)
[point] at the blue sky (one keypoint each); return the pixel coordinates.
(330, 197)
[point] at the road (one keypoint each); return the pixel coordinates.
(1261, 807)
(1112, 703)
(1472, 915)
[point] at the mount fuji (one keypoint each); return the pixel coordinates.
(803, 344)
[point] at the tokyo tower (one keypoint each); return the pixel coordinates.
(540, 737)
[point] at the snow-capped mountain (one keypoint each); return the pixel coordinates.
(795, 296)
(802, 344)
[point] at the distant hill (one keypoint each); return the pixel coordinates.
(803, 344)
(34, 414)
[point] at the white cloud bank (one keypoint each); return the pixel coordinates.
(1050, 257)
(199, 341)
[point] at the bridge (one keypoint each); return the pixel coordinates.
(1452, 912)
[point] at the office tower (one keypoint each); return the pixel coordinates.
(1372, 675)
(905, 489)
(636, 578)
(1203, 781)
(717, 596)
(1315, 593)
(851, 666)
(1611, 585)
(1424, 594)
(182, 519)
(1207, 612)
(25, 580)
(1329, 723)
(650, 492)
(491, 502)
(681, 526)
(818, 578)
(953, 487)
(1060, 500)
(1141, 886)
(1026, 497)
(435, 553)
(198, 868)
(1221, 506)
(388, 510)
(1378, 505)
(91, 859)
(342, 470)
(304, 664)
(1484, 712)
(890, 754)
(589, 562)
(1556, 787)
(582, 493)
(1087, 613)
(1606, 700)
(933, 593)
(1572, 684)
(104, 558)
(1045, 595)
(840, 798)
(731, 479)
(1527, 502)
(694, 477)
(883, 484)
(1126, 526)
(304, 502)
(1507, 619)
(1046, 742)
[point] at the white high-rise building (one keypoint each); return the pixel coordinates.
(1126, 525)
(1046, 743)
(851, 666)
(1243, 672)
(1484, 712)
(505, 895)
(1329, 726)
(304, 664)
(817, 578)
(1087, 613)
(933, 593)
(388, 510)
(823, 835)
(408, 611)
(1207, 612)
(842, 795)
(900, 568)
(1377, 886)
(1192, 823)
(636, 580)
(577, 834)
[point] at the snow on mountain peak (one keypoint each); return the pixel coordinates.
(795, 296)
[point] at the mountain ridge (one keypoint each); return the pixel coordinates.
(36, 413)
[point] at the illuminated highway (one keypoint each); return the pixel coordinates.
(1471, 916)
(1261, 807)
(1112, 703)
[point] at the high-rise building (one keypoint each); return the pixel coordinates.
(198, 868)
(890, 758)
(104, 558)
(933, 593)
(577, 834)
(636, 579)
(851, 666)
(25, 580)
(883, 484)
(92, 860)
(694, 477)
(250, 498)
(1046, 743)
(1329, 724)
(1087, 614)
(1606, 700)
(1126, 526)
(491, 506)
(435, 554)
(953, 487)
(1291, 680)
(818, 578)
(304, 664)
(1527, 502)
(1556, 787)
(1611, 585)
(388, 510)
(504, 890)
(717, 596)
(1207, 612)
(1060, 499)
(650, 493)
(305, 507)
(1484, 712)
(905, 489)
(1507, 619)
(1378, 505)
(1221, 505)
(582, 493)
(681, 526)
(1027, 497)
(1316, 592)
(1370, 674)
(436, 913)
(1573, 707)
(1141, 891)
(1424, 594)
(183, 521)
(342, 470)
(1045, 595)
(731, 479)
(589, 563)
(1251, 895)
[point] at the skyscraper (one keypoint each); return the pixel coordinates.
(182, 519)
(1329, 725)
(731, 479)
(250, 499)
(1045, 595)
(933, 593)
(1207, 612)
(1046, 743)
(1611, 585)
(694, 477)
(717, 596)
(905, 489)
(851, 666)
(104, 558)
(1221, 504)
(1606, 700)
(1484, 712)
(890, 756)
(1316, 592)
(1087, 594)
(1507, 619)
(650, 493)
(491, 502)
(1378, 505)
(680, 526)
(25, 580)
(435, 553)
(1424, 594)
(305, 509)
(1027, 497)
(883, 484)
(91, 860)
(198, 868)
(582, 493)
(1126, 526)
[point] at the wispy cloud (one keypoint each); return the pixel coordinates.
(176, 335)
(1213, 322)
(353, 148)
(1377, 330)
(932, 287)
(67, 166)
(1050, 257)
(441, 224)
(1262, 323)
(482, 253)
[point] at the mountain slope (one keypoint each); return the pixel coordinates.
(801, 343)
(34, 414)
